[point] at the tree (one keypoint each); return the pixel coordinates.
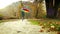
(39, 8)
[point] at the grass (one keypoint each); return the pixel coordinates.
(1, 21)
(8, 20)
(44, 21)
(47, 23)
(34, 22)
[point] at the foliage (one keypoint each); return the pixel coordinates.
(40, 10)
(56, 26)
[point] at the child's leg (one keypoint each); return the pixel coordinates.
(22, 18)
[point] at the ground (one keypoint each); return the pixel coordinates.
(21, 27)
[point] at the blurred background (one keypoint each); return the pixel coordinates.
(38, 8)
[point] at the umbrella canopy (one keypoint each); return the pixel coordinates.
(25, 10)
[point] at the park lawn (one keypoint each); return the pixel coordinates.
(44, 21)
(8, 20)
(34, 22)
(1, 21)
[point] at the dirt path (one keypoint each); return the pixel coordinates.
(20, 27)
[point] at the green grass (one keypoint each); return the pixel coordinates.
(1, 21)
(44, 21)
(47, 23)
(4, 21)
(34, 22)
